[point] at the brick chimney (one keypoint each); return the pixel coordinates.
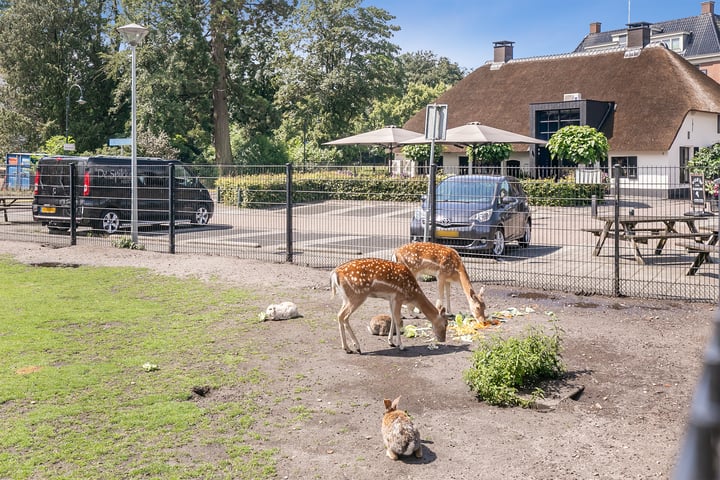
(707, 7)
(638, 35)
(503, 51)
(595, 27)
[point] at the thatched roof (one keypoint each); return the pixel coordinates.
(653, 90)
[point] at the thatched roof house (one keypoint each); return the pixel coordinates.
(649, 101)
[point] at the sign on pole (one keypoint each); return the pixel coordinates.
(435, 122)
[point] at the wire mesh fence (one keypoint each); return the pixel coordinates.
(590, 231)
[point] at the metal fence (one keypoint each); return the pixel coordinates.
(321, 217)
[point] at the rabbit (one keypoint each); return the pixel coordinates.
(380, 325)
(282, 311)
(399, 434)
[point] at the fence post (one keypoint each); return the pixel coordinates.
(616, 267)
(171, 208)
(288, 214)
(433, 201)
(593, 206)
(699, 453)
(73, 205)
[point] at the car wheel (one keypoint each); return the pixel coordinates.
(527, 234)
(201, 216)
(498, 247)
(109, 222)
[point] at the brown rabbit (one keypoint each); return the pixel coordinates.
(399, 434)
(380, 325)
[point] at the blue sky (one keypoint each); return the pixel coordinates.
(464, 30)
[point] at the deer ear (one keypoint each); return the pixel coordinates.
(441, 311)
(481, 292)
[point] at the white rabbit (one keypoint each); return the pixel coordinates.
(282, 311)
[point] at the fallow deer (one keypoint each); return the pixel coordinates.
(358, 280)
(426, 258)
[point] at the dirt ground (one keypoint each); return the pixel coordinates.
(638, 362)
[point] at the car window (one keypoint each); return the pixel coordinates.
(504, 189)
(460, 190)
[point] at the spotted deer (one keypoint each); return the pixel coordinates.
(426, 258)
(358, 280)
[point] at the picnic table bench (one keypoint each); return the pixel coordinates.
(702, 251)
(655, 227)
(9, 200)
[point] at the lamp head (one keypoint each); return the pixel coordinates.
(133, 33)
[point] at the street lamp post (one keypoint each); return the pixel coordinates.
(133, 34)
(80, 101)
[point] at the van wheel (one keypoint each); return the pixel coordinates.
(201, 216)
(109, 222)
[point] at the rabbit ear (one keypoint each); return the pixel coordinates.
(388, 404)
(395, 403)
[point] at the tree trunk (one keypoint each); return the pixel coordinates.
(221, 120)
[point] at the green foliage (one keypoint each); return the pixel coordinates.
(490, 153)
(503, 367)
(79, 400)
(264, 190)
(561, 193)
(426, 68)
(126, 242)
(707, 162)
(578, 144)
(54, 145)
(422, 151)
(249, 149)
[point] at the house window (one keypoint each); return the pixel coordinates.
(718, 124)
(628, 164)
(684, 159)
(674, 44)
(550, 121)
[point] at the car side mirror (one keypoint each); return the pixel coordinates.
(507, 200)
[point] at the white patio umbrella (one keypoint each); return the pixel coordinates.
(390, 136)
(475, 133)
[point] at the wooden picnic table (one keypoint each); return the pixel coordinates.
(702, 251)
(641, 229)
(8, 199)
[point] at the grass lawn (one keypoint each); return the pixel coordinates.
(97, 371)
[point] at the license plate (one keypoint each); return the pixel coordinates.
(47, 209)
(447, 233)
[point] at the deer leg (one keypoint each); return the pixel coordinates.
(344, 324)
(444, 292)
(395, 307)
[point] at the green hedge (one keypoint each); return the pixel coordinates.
(258, 191)
(263, 190)
(562, 193)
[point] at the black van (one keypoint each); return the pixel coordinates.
(103, 192)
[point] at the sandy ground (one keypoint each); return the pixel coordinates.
(637, 361)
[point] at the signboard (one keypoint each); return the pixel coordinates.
(435, 122)
(118, 142)
(69, 147)
(697, 189)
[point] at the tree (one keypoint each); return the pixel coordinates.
(578, 144)
(336, 59)
(707, 162)
(48, 47)
(426, 68)
(204, 66)
(490, 153)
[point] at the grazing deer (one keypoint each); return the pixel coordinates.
(445, 263)
(357, 280)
